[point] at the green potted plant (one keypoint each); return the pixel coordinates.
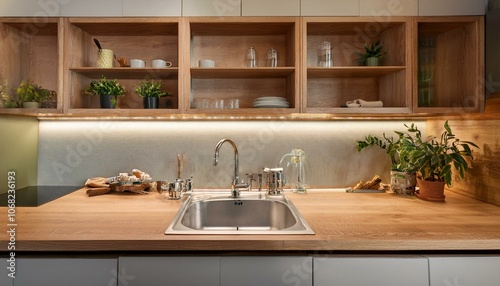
(32, 95)
(403, 180)
(108, 91)
(151, 92)
(435, 160)
(372, 55)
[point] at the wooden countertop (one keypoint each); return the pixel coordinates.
(342, 222)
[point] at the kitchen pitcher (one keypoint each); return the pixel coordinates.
(294, 166)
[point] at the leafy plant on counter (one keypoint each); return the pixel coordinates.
(151, 89)
(435, 159)
(372, 51)
(398, 149)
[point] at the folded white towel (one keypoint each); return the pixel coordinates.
(365, 103)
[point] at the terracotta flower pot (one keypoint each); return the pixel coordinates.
(431, 191)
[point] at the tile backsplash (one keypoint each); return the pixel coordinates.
(72, 151)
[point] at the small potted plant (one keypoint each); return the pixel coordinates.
(435, 158)
(151, 92)
(372, 55)
(108, 91)
(403, 179)
(32, 95)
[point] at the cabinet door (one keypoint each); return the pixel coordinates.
(479, 271)
(211, 8)
(329, 8)
(263, 270)
(270, 7)
(150, 8)
(92, 8)
(4, 272)
(29, 8)
(151, 271)
(379, 271)
(63, 272)
(451, 7)
(386, 8)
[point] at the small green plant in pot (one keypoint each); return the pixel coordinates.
(108, 91)
(32, 95)
(151, 92)
(436, 159)
(372, 55)
(403, 180)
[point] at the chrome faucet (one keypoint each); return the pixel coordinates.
(235, 184)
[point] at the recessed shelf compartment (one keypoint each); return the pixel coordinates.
(449, 65)
(327, 89)
(31, 51)
(132, 38)
(226, 42)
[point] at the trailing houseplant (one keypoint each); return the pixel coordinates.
(372, 55)
(108, 91)
(151, 92)
(32, 95)
(436, 158)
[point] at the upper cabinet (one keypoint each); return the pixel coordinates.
(347, 86)
(152, 8)
(270, 7)
(451, 7)
(31, 51)
(329, 8)
(240, 73)
(266, 67)
(92, 8)
(211, 8)
(387, 8)
(449, 65)
(144, 39)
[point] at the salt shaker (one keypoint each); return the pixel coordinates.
(325, 58)
(272, 58)
(251, 58)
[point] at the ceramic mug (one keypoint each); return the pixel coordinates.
(158, 63)
(206, 63)
(137, 63)
(105, 58)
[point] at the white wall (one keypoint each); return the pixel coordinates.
(71, 152)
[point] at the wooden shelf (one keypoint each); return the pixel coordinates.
(277, 72)
(128, 73)
(348, 72)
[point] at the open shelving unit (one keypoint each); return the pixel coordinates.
(327, 89)
(226, 42)
(31, 51)
(449, 65)
(59, 54)
(145, 38)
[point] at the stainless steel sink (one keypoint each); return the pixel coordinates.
(251, 213)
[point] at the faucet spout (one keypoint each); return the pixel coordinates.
(235, 184)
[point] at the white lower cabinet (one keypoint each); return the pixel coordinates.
(464, 271)
(263, 270)
(152, 271)
(373, 271)
(66, 271)
(5, 271)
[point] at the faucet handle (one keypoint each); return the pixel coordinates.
(254, 177)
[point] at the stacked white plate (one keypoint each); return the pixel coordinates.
(271, 102)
